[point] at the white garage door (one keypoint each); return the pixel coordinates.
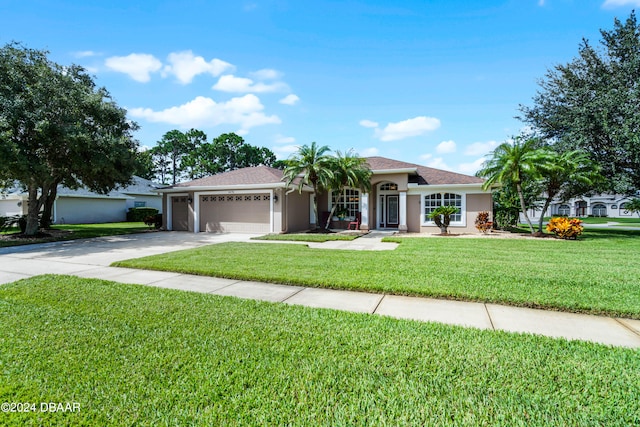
(180, 213)
(239, 213)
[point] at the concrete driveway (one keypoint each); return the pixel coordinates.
(92, 257)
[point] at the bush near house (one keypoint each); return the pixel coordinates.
(482, 222)
(564, 227)
(140, 214)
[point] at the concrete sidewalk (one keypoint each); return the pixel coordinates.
(91, 258)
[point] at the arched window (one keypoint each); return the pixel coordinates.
(599, 209)
(564, 210)
(389, 187)
(433, 201)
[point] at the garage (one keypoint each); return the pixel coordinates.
(235, 213)
(180, 213)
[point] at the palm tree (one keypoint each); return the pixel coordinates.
(562, 173)
(512, 163)
(442, 217)
(349, 171)
(310, 165)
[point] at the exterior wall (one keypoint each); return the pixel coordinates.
(401, 179)
(72, 210)
(297, 212)
(413, 213)
(9, 207)
(151, 201)
(473, 204)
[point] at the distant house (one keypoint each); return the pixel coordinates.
(599, 205)
(256, 200)
(82, 206)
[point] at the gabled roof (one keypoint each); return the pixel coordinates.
(246, 176)
(264, 176)
(421, 175)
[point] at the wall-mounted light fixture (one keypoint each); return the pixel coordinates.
(275, 198)
(190, 200)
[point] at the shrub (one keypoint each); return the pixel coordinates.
(442, 216)
(564, 227)
(154, 221)
(139, 214)
(482, 222)
(7, 222)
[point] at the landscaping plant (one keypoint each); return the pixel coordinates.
(565, 228)
(482, 222)
(442, 217)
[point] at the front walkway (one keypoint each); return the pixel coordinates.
(92, 257)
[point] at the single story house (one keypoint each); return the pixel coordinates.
(599, 205)
(256, 200)
(82, 206)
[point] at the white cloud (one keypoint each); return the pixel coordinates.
(446, 147)
(281, 139)
(138, 66)
(245, 111)
(231, 83)
(266, 74)
(610, 4)
(185, 66)
(407, 128)
(284, 151)
(434, 162)
(85, 54)
(368, 123)
(480, 148)
(369, 152)
(471, 168)
(290, 99)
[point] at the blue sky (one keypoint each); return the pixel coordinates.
(431, 82)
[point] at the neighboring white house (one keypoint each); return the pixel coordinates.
(599, 205)
(82, 206)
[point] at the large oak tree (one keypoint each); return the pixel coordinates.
(591, 104)
(57, 127)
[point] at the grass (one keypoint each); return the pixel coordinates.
(308, 237)
(604, 220)
(135, 355)
(599, 274)
(78, 231)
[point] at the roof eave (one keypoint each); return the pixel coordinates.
(390, 171)
(222, 187)
(470, 186)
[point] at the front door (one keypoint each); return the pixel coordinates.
(390, 211)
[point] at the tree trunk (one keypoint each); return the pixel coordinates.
(32, 210)
(547, 202)
(524, 207)
(333, 209)
(47, 212)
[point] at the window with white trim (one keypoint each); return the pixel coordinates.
(435, 200)
(350, 201)
(564, 210)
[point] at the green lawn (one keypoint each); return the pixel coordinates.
(308, 237)
(79, 231)
(136, 355)
(599, 274)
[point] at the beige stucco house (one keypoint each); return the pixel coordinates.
(256, 200)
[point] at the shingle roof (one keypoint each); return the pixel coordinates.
(265, 175)
(245, 176)
(424, 175)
